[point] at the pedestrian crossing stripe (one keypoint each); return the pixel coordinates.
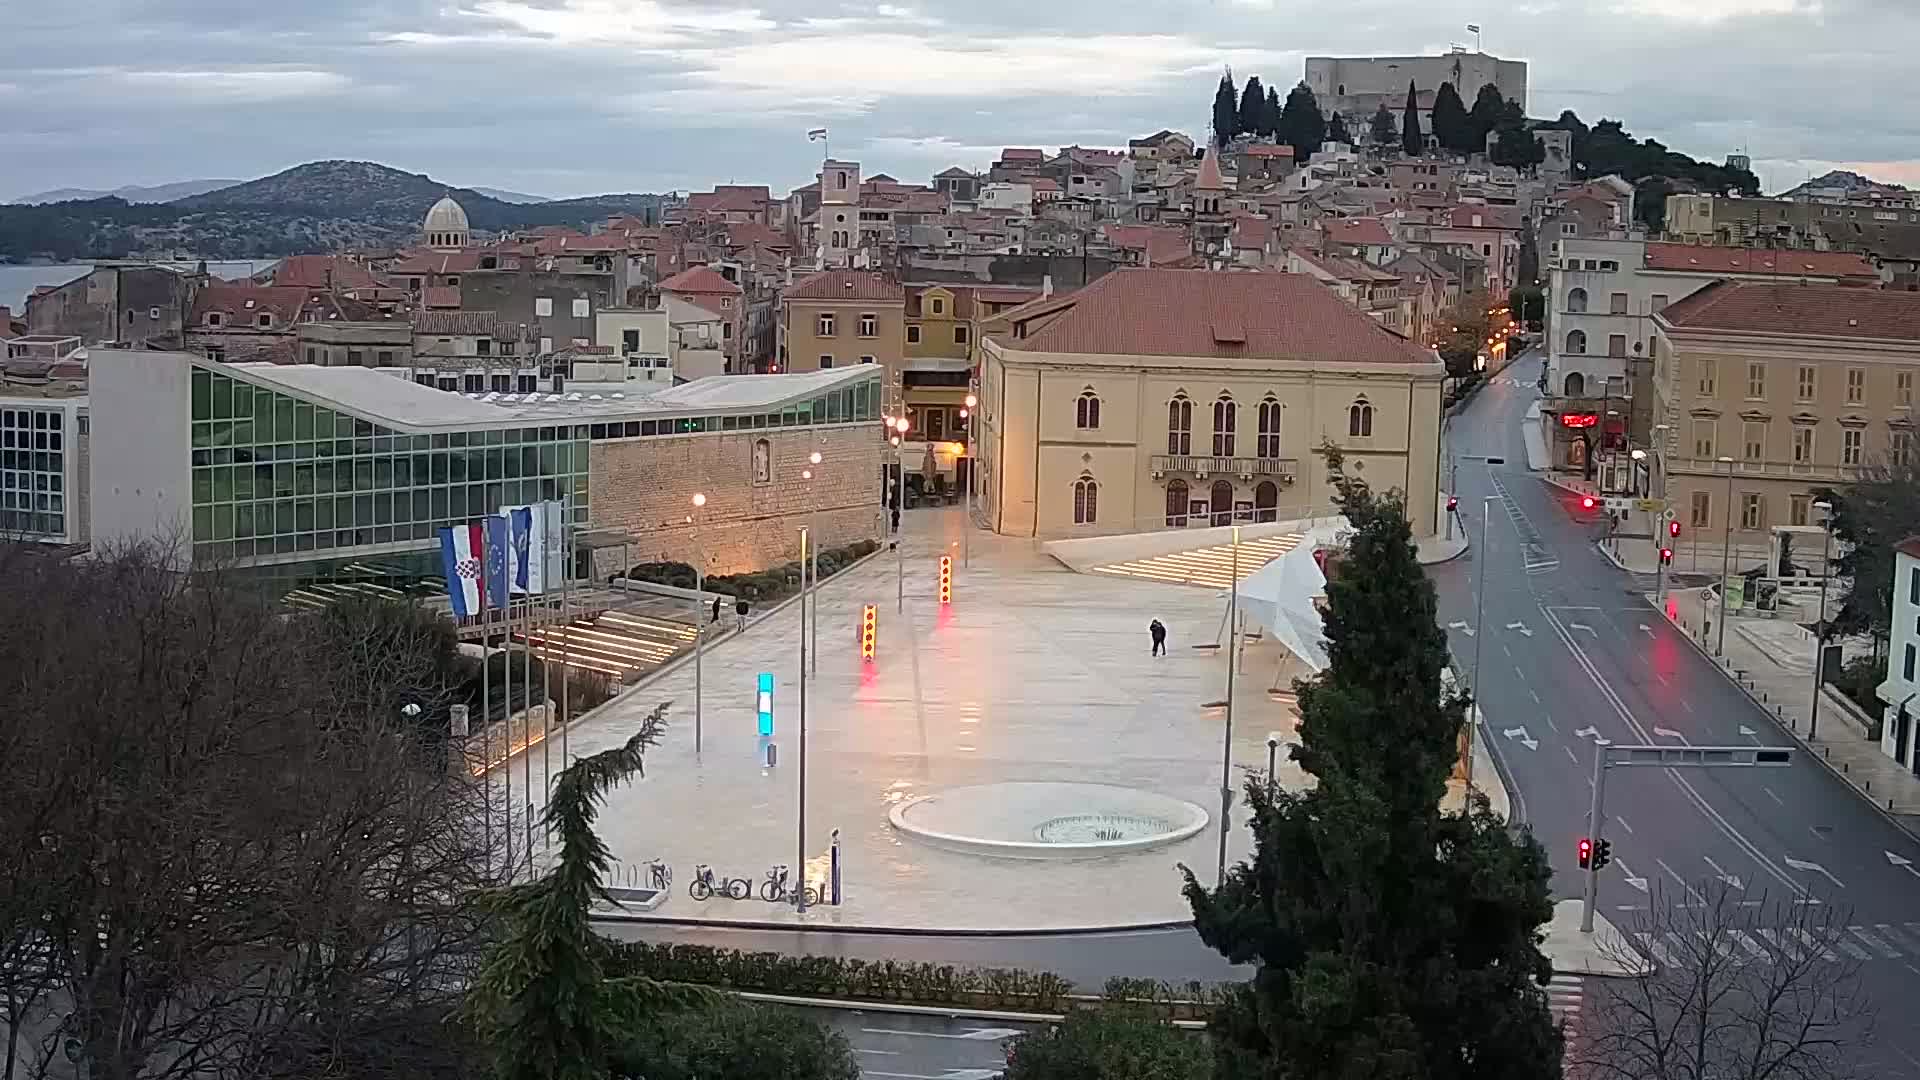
(1867, 942)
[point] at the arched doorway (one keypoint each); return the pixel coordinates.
(1222, 499)
(1576, 384)
(1266, 502)
(1176, 502)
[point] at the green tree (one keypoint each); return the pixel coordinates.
(1412, 142)
(1301, 126)
(1383, 129)
(1451, 129)
(1226, 115)
(1517, 147)
(733, 1041)
(1337, 130)
(1484, 117)
(1390, 940)
(1252, 117)
(1109, 1044)
(542, 1004)
(1872, 514)
(1271, 117)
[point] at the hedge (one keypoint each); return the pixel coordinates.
(761, 586)
(839, 977)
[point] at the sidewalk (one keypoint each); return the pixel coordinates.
(1762, 657)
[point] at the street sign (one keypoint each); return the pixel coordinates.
(1651, 506)
(1617, 502)
(1671, 514)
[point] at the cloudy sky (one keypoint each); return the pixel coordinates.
(573, 97)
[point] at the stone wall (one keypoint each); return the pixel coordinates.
(644, 487)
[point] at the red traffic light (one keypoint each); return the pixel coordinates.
(1586, 852)
(1673, 528)
(1586, 502)
(1666, 556)
(1452, 503)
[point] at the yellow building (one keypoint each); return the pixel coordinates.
(1770, 390)
(943, 324)
(1157, 399)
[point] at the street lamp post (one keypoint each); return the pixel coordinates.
(966, 531)
(1820, 620)
(813, 605)
(699, 628)
(1479, 631)
(1226, 739)
(800, 817)
(1726, 561)
(900, 426)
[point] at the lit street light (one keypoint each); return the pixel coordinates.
(1726, 561)
(1820, 620)
(699, 627)
(966, 530)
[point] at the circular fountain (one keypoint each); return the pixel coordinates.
(1047, 820)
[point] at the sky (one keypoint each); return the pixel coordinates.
(575, 97)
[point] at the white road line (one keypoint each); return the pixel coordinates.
(1848, 947)
(1686, 705)
(1623, 824)
(1575, 758)
(1812, 943)
(1692, 894)
(1774, 941)
(1650, 945)
(882, 1053)
(1776, 799)
(1751, 946)
(1879, 946)
(1896, 937)
(1534, 696)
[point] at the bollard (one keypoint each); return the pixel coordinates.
(1843, 768)
(833, 865)
(1827, 752)
(773, 755)
(1869, 788)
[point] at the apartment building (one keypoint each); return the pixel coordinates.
(839, 318)
(1769, 390)
(1901, 690)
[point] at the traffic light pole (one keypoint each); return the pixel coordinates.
(1607, 756)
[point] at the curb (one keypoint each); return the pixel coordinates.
(1793, 734)
(889, 931)
(925, 1010)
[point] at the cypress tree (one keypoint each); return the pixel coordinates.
(1390, 940)
(1451, 128)
(1271, 118)
(1484, 119)
(1411, 141)
(1253, 108)
(1301, 125)
(1226, 115)
(1337, 130)
(1384, 130)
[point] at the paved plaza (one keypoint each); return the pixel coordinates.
(1033, 673)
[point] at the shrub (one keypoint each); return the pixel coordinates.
(832, 976)
(735, 1042)
(1858, 679)
(1110, 1044)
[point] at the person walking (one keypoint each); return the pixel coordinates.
(1159, 634)
(740, 609)
(716, 609)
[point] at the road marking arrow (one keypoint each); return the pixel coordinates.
(1903, 863)
(1720, 873)
(1747, 731)
(1525, 740)
(1668, 733)
(1636, 882)
(1520, 626)
(1460, 626)
(1586, 733)
(1583, 626)
(1812, 867)
(1647, 630)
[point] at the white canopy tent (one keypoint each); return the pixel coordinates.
(1279, 596)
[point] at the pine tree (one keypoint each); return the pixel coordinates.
(1411, 141)
(1384, 130)
(1484, 119)
(1253, 108)
(1226, 116)
(1301, 126)
(1337, 130)
(1517, 147)
(1451, 128)
(1271, 117)
(1391, 940)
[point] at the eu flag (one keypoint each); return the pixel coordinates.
(499, 557)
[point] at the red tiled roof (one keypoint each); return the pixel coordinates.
(1286, 317)
(748, 233)
(436, 262)
(1022, 154)
(1162, 243)
(704, 280)
(1797, 309)
(1726, 260)
(1044, 183)
(1252, 232)
(1273, 150)
(243, 303)
(1209, 179)
(441, 296)
(845, 285)
(1363, 230)
(1491, 217)
(1909, 547)
(322, 271)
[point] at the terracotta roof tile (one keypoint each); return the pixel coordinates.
(1161, 243)
(242, 304)
(700, 280)
(1209, 179)
(1828, 312)
(441, 297)
(1909, 547)
(1272, 150)
(1211, 313)
(463, 324)
(1364, 230)
(845, 285)
(1490, 217)
(321, 271)
(1729, 260)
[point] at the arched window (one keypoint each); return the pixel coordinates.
(1086, 500)
(1576, 300)
(1086, 411)
(1576, 341)
(1180, 425)
(1221, 498)
(1576, 384)
(1176, 502)
(1360, 419)
(1226, 417)
(1267, 444)
(1266, 502)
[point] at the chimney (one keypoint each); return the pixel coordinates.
(1046, 286)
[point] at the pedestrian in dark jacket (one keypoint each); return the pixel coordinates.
(740, 609)
(1159, 633)
(716, 609)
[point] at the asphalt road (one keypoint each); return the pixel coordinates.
(1571, 651)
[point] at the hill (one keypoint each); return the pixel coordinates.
(1838, 180)
(511, 196)
(320, 206)
(133, 193)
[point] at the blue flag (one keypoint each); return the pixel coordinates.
(499, 559)
(523, 542)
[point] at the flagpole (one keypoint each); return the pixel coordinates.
(506, 694)
(526, 716)
(546, 666)
(566, 621)
(486, 735)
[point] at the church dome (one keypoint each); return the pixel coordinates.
(446, 216)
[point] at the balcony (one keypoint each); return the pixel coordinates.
(1766, 470)
(1285, 469)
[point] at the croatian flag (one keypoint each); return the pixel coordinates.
(462, 549)
(499, 551)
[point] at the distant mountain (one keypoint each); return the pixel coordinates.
(1842, 179)
(133, 193)
(516, 197)
(317, 207)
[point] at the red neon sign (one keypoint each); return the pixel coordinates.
(1579, 419)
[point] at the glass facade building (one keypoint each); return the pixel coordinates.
(33, 471)
(275, 476)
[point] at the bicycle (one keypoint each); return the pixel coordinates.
(706, 886)
(659, 875)
(774, 890)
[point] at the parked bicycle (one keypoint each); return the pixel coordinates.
(659, 875)
(775, 890)
(705, 885)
